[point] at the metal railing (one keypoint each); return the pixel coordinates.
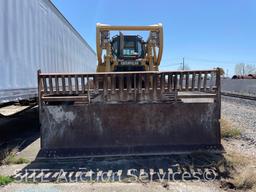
(128, 86)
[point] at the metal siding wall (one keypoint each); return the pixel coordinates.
(242, 86)
(34, 36)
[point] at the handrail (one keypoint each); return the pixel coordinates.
(128, 86)
(131, 72)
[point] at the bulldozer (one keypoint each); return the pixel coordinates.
(128, 107)
(129, 52)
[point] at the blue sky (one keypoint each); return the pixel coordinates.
(207, 33)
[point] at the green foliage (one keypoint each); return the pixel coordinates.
(4, 180)
(228, 130)
(12, 159)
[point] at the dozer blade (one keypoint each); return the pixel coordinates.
(148, 113)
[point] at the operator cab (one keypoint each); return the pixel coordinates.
(129, 50)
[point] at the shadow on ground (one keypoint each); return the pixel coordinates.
(19, 131)
(195, 166)
(22, 130)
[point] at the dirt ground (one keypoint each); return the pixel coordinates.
(112, 187)
(233, 147)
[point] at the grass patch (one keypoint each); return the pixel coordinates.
(241, 172)
(228, 130)
(236, 160)
(4, 180)
(246, 179)
(11, 158)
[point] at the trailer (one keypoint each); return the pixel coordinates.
(35, 35)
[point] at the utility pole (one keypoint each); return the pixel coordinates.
(183, 64)
(183, 61)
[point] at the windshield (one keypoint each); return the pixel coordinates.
(130, 48)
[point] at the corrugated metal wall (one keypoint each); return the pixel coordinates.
(241, 86)
(34, 35)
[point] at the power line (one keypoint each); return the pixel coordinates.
(170, 65)
(218, 61)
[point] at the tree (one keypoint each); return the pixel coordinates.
(222, 72)
(244, 69)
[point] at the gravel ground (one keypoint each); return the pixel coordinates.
(114, 187)
(242, 114)
(240, 146)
